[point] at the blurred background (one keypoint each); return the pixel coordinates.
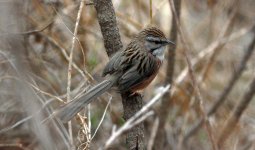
(35, 42)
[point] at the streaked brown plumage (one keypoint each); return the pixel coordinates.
(129, 70)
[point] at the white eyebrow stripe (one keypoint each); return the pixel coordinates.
(150, 38)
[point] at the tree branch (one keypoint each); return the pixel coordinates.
(236, 114)
(241, 106)
(108, 24)
(112, 42)
(227, 90)
(160, 140)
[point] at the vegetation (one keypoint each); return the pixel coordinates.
(52, 51)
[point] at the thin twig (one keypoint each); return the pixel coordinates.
(228, 26)
(151, 12)
(241, 106)
(89, 122)
(130, 20)
(16, 124)
(84, 131)
(142, 118)
(194, 81)
(236, 114)
(153, 134)
(226, 91)
(102, 118)
(164, 109)
(209, 63)
(18, 145)
(74, 36)
(155, 12)
(69, 73)
(34, 86)
(33, 31)
(138, 115)
(64, 52)
(208, 50)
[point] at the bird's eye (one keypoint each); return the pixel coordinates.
(157, 42)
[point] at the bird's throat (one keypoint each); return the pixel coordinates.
(159, 53)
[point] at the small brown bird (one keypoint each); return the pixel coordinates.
(129, 70)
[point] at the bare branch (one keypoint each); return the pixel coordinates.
(153, 134)
(192, 76)
(243, 103)
(226, 91)
(108, 24)
(99, 124)
(133, 120)
(112, 42)
(164, 109)
(236, 114)
(69, 75)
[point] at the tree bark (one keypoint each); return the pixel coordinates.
(112, 42)
(108, 24)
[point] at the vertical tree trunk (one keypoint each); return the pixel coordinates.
(112, 42)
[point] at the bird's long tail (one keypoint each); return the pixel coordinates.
(69, 110)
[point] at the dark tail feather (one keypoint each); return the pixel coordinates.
(69, 110)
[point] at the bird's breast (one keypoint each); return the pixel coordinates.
(147, 80)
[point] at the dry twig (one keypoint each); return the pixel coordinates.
(244, 102)
(160, 141)
(225, 92)
(131, 104)
(233, 119)
(192, 76)
(137, 118)
(69, 73)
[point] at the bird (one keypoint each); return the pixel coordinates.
(130, 70)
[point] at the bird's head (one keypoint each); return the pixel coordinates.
(154, 41)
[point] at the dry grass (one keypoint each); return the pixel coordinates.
(37, 37)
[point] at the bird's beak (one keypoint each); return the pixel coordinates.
(169, 42)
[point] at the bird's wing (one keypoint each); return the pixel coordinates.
(114, 64)
(137, 73)
(122, 60)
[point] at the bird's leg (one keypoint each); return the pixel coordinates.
(133, 94)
